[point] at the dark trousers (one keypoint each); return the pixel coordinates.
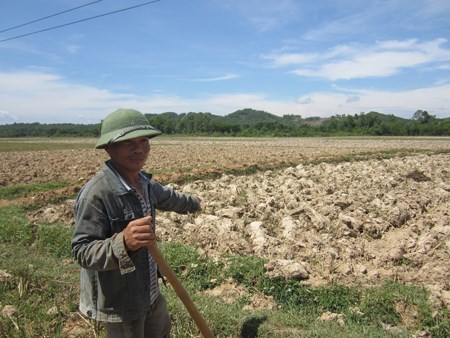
(156, 324)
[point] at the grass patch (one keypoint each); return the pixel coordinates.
(188, 265)
(43, 287)
(20, 190)
(55, 240)
(245, 270)
(365, 309)
(293, 296)
(14, 226)
(400, 304)
(42, 290)
(39, 144)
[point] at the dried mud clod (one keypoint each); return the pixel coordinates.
(359, 222)
(418, 176)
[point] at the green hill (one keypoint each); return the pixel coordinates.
(250, 117)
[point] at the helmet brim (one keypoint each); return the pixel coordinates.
(114, 136)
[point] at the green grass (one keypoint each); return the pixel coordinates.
(14, 226)
(54, 239)
(298, 306)
(37, 144)
(20, 190)
(45, 277)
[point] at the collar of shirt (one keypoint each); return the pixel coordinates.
(143, 179)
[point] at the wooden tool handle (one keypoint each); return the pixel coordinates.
(179, 289)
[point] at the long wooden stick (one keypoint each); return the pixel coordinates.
(179, 289)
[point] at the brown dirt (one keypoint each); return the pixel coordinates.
(384, 216)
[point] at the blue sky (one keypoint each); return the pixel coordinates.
(309, 58)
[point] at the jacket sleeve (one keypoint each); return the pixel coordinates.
(94, 245)
(168, 199)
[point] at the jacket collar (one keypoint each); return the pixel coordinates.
(118, 184)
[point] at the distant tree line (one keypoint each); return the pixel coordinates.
(253, 123)
(49, 130)
(249, 122)
(421, 124)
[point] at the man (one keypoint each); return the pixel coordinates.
(115, 222)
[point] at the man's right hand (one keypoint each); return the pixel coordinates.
(138, 233)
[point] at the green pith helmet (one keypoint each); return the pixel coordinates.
(125, 124)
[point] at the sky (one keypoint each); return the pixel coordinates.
(302, 57)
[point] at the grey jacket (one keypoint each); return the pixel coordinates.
(114, 283)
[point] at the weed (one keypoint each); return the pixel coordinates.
(382, 305)
(246, 270)
(293, 295)
(187, 263)
(55, 239)
(242, 196)
(14, 226)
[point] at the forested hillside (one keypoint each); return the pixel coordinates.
(250, 122)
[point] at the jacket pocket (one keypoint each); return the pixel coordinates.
(119, 223)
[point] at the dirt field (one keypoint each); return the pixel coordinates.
(348, 210)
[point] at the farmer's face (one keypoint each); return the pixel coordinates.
(129, 156)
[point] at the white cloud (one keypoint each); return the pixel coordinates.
(6, 117)
(229, 76)
(305, 100)
(384, 58)
(397, 44)
(49, 98)
(402, 103)
(372, 64)
(288, 59)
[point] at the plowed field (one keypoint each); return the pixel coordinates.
(351, 210)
